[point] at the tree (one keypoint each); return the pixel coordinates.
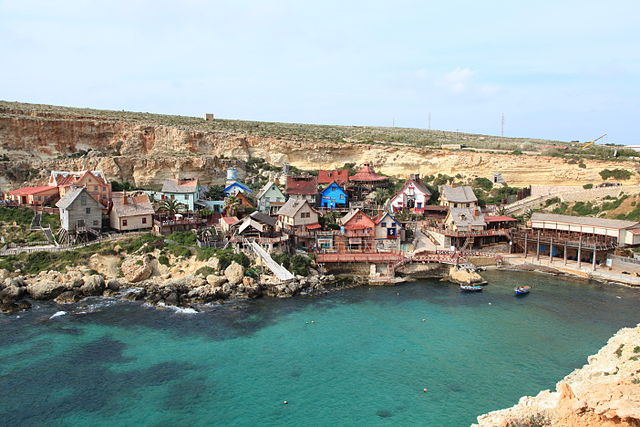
(231, 205)
(526, 216)
(215, 192)
(171, 206)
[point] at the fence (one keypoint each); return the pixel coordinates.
(62, 248)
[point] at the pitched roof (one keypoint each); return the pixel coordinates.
(266, 188)
(138, 205)
(366, 173)
(418, 185)
(378, 218)
(237, 184)
(498, 218)
(291, 207)
(230, 220)
(302, 185)
(585, 220)
(467, 216)
(66, 178)
(336, 184)
(180, 185)
(72, 195)
(462, 194)
(348, 217)
(340, 176)
(263, 218)
(31, 190)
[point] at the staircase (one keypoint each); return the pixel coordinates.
(279, 271)
(468, 241)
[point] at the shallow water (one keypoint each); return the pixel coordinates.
(355, 357)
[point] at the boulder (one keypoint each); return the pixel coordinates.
(45, 289)
(215, 280)
(136, 269)
(93, 285)
(113, 285)
(234, 273)
(12, 293)
(4, 274)
(214, 263)
(68, 297)
(9, 308)
(464, 276)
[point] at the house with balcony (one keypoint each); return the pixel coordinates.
(413, 197)
(182, 190)
(270, 198)
(302, 188)
(340, 177)
(334, 196)
(454, 196)
(360, 231)
(95, 182)
(298, 216)
(80, 212)
(388, 232)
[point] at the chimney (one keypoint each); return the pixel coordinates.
(124, 198)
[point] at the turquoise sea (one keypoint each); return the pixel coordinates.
(354, 357)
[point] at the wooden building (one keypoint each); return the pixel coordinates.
(131, 213)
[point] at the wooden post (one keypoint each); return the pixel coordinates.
(565, 252)
(526, 244)
(580, 252)
(551, 251)
(594, 257)
(538, 247)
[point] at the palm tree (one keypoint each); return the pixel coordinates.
(231, 205)
(171, 206)
(526, 216)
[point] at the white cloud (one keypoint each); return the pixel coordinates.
(458, 80)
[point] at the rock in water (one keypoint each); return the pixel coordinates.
(136, 269)
(68, 297)
(215, 280)
(464, 276)
(234, 273)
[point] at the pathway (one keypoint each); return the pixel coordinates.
(277, 269)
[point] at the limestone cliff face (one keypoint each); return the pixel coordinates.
(146, 153)
(604, 392)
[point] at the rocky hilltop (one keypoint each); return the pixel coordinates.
(604, 392)
(146, 148)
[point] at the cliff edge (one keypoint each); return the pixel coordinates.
(604, 392)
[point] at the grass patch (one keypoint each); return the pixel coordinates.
(205, 271)
(619, 174)
(618, 352)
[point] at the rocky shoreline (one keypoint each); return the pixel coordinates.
(604, 392)
(141, 278)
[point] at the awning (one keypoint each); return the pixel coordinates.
(355, 241)
(313, 226)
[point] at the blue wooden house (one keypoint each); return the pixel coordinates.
(236, 187)
(333, 197)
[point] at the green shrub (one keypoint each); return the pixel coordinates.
(183, 237)
(618, 352)
(164, 260)
(516, 152)
(300, 265)
(138, 242)
(587, 186)
(21, 216)
(619, 174)
(483, 183)
(582, 165)
(226, 256)
(205, 271)
(178, 251)
(552, 201)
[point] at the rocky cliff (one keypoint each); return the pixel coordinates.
(144, 149)
(604, 392)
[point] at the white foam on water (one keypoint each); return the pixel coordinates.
(181, 310)
(57, 314)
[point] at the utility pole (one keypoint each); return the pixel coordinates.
(502, 126)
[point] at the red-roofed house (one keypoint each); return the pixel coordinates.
(359, 229)
(33, 195)
(93, 181)
(302, 188)
(341, 177)
(366, 180)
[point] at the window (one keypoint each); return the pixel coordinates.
(88, 211)
(384, 224)
(144, 219)
(95, 188)
(37, 197)
(305, 215)
(83, 200)
(358, 218)
(124, 222)
(342, 197)
(186, 197)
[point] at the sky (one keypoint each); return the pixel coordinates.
(561, 69)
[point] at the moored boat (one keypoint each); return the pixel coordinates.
(522, 290)
(470, 288)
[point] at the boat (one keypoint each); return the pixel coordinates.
(470, 288)
(522, 290)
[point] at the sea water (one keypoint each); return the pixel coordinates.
(360, 356)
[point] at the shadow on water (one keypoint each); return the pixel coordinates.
(78, 381)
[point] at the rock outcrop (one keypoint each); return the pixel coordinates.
(604, 392)
(136, 269)
(464, 276)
